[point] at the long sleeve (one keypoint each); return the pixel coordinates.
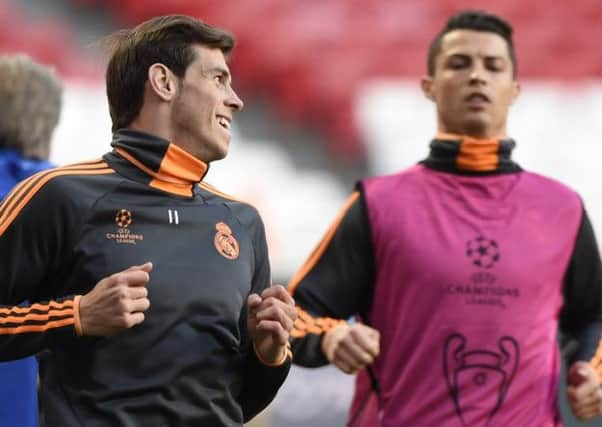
(581, 317)
(261, 381)
(335, 283)
(32, 235)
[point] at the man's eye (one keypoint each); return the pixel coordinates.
(495, 65)
(457, 63)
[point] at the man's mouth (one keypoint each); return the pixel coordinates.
(477, 98)
(224, 122)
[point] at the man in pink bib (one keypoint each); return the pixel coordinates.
(462, 269)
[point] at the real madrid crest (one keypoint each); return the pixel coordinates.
(225, 243)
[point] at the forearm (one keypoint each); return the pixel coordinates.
(589, 347)
(24, 329)
(307, 336)
(261, 383)
(337, 282)
(581, 317)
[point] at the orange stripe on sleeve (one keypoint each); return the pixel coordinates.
(321, 248)
(21, 188)
(306, 324)
(17, 320)
(15, 192)
(19, 203)
(36, 316)
(37, 328)
(37, 306)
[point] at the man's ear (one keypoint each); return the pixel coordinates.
(162, 81)
(426, 84)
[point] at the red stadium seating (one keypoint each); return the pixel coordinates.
(310, 56)
(49, 42)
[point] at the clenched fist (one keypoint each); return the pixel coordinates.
(584, 391)
(351, 347)
(116, 303)
(270, 319)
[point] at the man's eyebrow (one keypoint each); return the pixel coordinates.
(487, 58)
(467, 55)
(219, 70)
(490, 57)
(457, 54)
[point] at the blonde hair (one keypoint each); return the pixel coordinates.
(31, 99)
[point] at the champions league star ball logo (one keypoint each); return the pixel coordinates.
(123, 218)
(483, 252)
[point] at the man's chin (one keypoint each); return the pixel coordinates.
(219, 155)
(477, 127)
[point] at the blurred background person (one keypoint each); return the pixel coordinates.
(31, 97)
(330, 97)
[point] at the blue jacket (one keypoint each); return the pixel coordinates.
(15, 168)
(18, 393)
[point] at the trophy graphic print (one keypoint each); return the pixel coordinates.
(478, 380)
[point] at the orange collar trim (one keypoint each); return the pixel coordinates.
(177, 167)
(479, 155)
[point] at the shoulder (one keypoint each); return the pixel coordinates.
(246, 213)
(65, 182)
(385, 182)
(548, 188)
(15, 168)
(52, 190)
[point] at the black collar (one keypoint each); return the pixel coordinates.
(158, 162)
(470, 156)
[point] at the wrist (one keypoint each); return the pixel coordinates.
(331, 339)
(276, 357)
(78, 323)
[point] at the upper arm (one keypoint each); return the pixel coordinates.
(581, 316)
(32, 239)
(262, 275)
(582, 281)
(338, 278)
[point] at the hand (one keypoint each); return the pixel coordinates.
(584, 391)
(270, 319)
(351, 347)
(117, 302)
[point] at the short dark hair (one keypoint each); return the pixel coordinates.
(473, 20)
(165, 39)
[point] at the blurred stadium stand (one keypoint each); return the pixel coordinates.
(309, 57)
(331, 92)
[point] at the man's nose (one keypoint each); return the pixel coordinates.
(477, 74)
(233, 101)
